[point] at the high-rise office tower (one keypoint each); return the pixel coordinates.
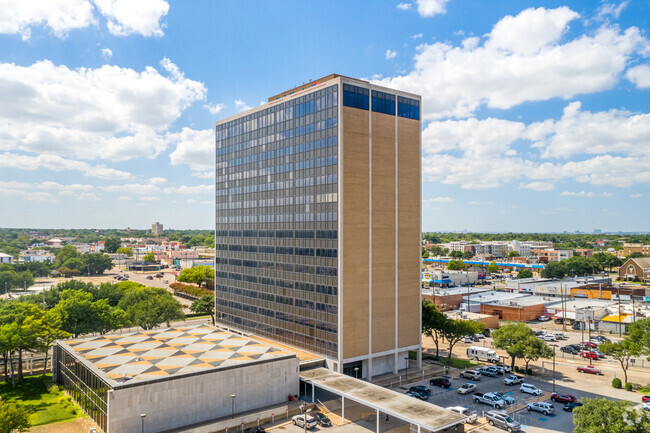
(318, 222)
(156, 229)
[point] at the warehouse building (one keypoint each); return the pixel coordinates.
(175, 377)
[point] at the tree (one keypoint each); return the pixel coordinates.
(525, 273)
(467, 255)
(205, 305)
(436, 250)
(66, 253)
(23, 320)
(13, 418)
(197, 275)
(456, 254)
(508, 336)
(457, 329)
(96, 263)
(79, 314)
(425, 253)
(553, 270)
(149, 257)
(112, 245)
(49, 331)
(456, 265)
(514, 253)
(622, 351)
(148, 307)
(531, 349)
(639, 332)
(126, 251)
(493, 267)
(601, 415)
(433, 323)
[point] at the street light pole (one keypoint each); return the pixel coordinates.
(356, 372)
(554, 346)
(143, 416)
(232, 414)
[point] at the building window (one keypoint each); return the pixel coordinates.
(383, 102)
(409, 108)
(356, 97)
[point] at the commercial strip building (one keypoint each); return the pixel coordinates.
(176, 376)
(452, 298)
(308, 186)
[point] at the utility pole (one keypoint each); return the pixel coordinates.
(554, 346)
(619, 310)
(590, 352)
(563, 308)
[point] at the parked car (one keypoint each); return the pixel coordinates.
(467, 388)
(419, 394)
(487, 371)
(588, 355)
(490, 398)
(470, 374)
(645, 406)
(549, 337)
(502, 420)
(255, 430)
(544, 318)
(645, 398)
(539, 332)
(513, 379)
(149, 277)
(601, 339)
(569, 349)
(471, 416)
(412, 394)
(540, 406)
(530, 389)
(468, 340)
(321, 419)
(561, 335)
(576, 326)
(590, 369)
(589, 344)
(559, 320)
(563, 398)
(499, 369)
(502, 365)
(159, 275)
(479, 336)
(440, 381)
(165, 281)
(421, 388)
(299, 420)
(598, 353)
(570, 406)
(509, 400)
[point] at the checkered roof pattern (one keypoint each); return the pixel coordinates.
(151, 355)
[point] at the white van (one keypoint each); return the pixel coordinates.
(482, 354)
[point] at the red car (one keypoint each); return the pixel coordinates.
(590, 369)
(645, 398)
(589, 344)
(563, 398)
(591, 355)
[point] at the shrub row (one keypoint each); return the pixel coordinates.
(187, 289)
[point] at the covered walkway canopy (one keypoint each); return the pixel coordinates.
(420, 413)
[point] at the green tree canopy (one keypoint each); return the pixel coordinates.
(149, 257)
(622, 351)
(601, 415)
(79, 314)
(530, 348)
(456, 265)
(467, 255)
(514, 253)
(457, 329)
(456, 254)
(433, 323)
(126, 251)
(525, 273)
(553, 270)
(66, 253)
(508, 336)
(493, 267)
(204, 305)
(96, 263)
(148, 307)
(111, 245)
(13, 418)
(197, 275)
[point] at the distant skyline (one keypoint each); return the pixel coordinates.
(536, 115)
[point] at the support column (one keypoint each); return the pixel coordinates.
(369, 369)
(377, 410)
(396, 363)
(420, 357)
(343, 409)
(312, 392)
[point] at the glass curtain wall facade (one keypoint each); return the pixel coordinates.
(85, 387)
(276, 221)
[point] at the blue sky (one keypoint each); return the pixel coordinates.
(536, 115)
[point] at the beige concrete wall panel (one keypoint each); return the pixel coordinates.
(356, 245)
(409, 167)
(383, 232)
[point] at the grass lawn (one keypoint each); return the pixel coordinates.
(45, 401)
(455, 362)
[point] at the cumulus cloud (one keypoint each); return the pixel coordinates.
(585, 194)
(404, 6)
(47, 191)
(213, 108)
(538, 186)
(429, 8)
(416, 36)
(194, 148)
(639, 75)
(611, 9)
(524, 58)
(241, 106)
(390, 54)
(60, 16)
(438, 200)
(109, 113)
(127, 17)
(636, 195)
(107, 53)
(57, 163)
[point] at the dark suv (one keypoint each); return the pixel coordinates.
(440, 381)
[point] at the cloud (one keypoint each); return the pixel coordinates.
(404, 6)
(639, 75)
(213, 108)
(60, 16)
(538, 186)
(127, 17)
(191, 189)
(524, 58)
(585, 194)
(107, 53)
(636, 195)
(125, 198)
(390, 54)
(241, 106)
(109, 113)
(47, 191)
(57, 163)
(438, 200)
(157, 180)
(611, 9)
(429, 8)
(416, 36)
(194, 148)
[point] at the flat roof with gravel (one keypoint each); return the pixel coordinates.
(161, 354)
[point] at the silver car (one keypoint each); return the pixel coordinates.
(502, 420)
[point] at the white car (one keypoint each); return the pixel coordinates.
(545, 408)
(530, 389)
(467, 388)
(549, 337)
(513, 379)
(471, 416)
(471, 374)
(299, 420)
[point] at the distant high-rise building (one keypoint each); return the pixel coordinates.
(318, 223)
(597, 231)
(156, 229)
